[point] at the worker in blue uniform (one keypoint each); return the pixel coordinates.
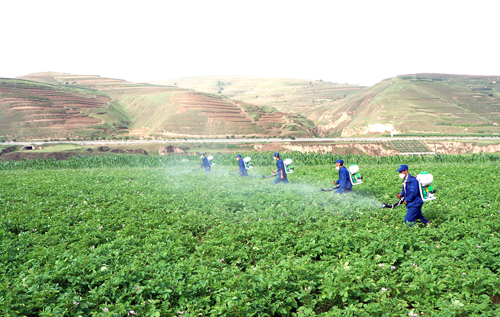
(242, 167)
(280, 169)
(411, 194)
(344, 181)
(205, 163)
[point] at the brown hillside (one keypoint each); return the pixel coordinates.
(285, 94)
(49, 111)
(172, 111)
(426, 104)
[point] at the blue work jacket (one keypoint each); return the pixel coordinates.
(411, 192)
(280, 166)
(243, 167)
(343, 181)
(206, 163)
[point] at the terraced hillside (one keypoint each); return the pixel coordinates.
(432, 104)
(285, 94)
(173, 111)
(30, 109)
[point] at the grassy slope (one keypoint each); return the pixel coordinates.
(447, 104)
(170, 111)
(285, 94)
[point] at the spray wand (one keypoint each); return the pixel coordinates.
(400, 201)
(329, 189)
(269, 176)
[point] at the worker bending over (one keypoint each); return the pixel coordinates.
(344, 181)
(242, 168)
(411, 194)
(280, 169)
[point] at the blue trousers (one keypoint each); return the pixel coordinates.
(345, 191)
(413, 214)
(207, 169)
(278, 179)
(243, 173)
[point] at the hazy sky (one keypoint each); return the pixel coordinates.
(341, 41)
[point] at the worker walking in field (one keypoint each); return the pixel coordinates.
(344, 181)
(280, 169)
(205, 163)
(411, 194)
(242, 167)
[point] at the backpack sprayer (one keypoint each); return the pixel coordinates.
(426, 191)
(425, 180)
(211, 160)
(288, 165)
(248, 164)
(355, 177)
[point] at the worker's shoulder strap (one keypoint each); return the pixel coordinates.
(419, 186)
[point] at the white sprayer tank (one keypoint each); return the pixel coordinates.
(210, 157)
(354, 169)
(425, 178)
(247, 159)
(288, 162)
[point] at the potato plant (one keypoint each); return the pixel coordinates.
(147, 237)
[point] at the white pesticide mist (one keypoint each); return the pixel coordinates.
(308, 193)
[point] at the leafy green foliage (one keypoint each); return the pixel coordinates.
(106, 236)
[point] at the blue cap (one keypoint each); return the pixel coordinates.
(202, 154)
(340, 161)
(402, 168)
(238, 155)
(276, 154)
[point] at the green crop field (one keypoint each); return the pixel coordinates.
(147, 236)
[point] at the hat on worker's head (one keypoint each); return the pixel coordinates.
(238, 156)
(340, 161)
(402, 168)
(276, 154)
(202, 154)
